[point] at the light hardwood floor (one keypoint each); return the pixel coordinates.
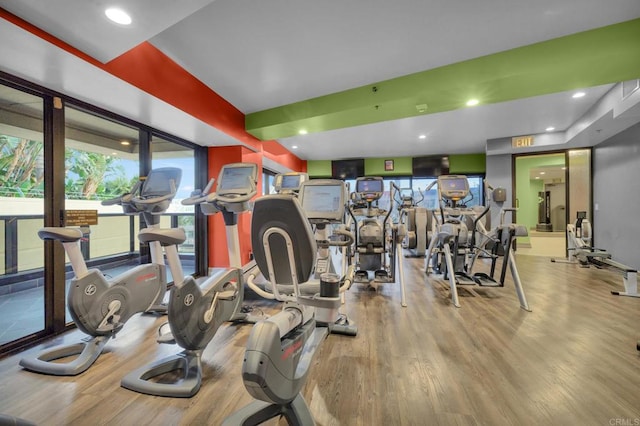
(572, 360)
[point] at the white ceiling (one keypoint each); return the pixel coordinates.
(262, 54)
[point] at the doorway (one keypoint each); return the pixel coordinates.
(541, 198)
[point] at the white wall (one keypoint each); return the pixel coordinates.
(616, 195)
(499, 171)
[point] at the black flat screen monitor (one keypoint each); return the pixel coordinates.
(237, 178)
(347, 169)
(323, 200)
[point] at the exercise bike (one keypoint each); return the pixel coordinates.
(323, 202)
(280, 350)
(99, 306)
(196, 311)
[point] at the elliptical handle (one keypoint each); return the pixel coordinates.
(343, 231)
(421, 195)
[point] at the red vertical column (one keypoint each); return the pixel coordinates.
(217, 240)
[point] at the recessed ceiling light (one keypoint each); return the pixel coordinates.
(118, 16)
(537, 177)
(294, 147)
(542, 173)
(422, 137)
(302, 131)
(472, 102)
(125, 143)
(114, 153)
(550, 129)
(578, 95)
(564, 168)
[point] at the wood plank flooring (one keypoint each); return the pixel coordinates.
(571, 361)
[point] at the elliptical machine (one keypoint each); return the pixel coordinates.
(372, 233)
(454, 248)
(378, 247)
(418, 223)
(196, 311)
(99, 306)
(280, 350)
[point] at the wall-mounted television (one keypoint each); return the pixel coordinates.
(430, 166)
(347, 169)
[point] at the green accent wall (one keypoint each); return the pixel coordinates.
(402, 166)
(527, 189)
(468, 164)
(600, 56)
(319, 168)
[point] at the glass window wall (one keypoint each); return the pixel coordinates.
(21, 214)
(165, 153)
(101, 162)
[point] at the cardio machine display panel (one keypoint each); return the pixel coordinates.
(370, 188)
(161, 182)
(453, 186)
(237, 178)
(323, 201)
(289, 182)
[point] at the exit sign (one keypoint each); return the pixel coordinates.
(521, 141)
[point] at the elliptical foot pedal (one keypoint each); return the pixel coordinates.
(381, 276)
(485, 280)
(361, 277)
(464, 279)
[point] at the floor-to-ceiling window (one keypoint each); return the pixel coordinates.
(58, 155)
(166, 153)
(21, 214)
(101, 163)
(268, 178)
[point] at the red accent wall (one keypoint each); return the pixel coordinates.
(150, 70)
(218, 157)
(217, 240)
(276, 152)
